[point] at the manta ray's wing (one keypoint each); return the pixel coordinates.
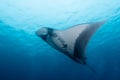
(82, 40)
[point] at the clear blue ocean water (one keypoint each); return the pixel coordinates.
(24, 56)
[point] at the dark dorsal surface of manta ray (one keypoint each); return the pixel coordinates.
(73, 41)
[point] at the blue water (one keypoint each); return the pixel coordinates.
(24, 56)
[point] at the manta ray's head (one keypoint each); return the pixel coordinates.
(43, 33)
(46, 33)
(53, 38)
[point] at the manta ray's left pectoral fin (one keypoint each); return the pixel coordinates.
(82, 40)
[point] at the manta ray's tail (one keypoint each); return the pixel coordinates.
(93, 70)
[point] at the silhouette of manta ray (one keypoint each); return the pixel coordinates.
(73, 41)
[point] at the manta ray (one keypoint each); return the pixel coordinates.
(72, 41)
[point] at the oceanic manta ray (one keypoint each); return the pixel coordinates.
(72, 41)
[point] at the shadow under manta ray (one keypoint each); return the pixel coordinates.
(73, 41)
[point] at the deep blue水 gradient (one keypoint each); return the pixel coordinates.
(24, 56)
